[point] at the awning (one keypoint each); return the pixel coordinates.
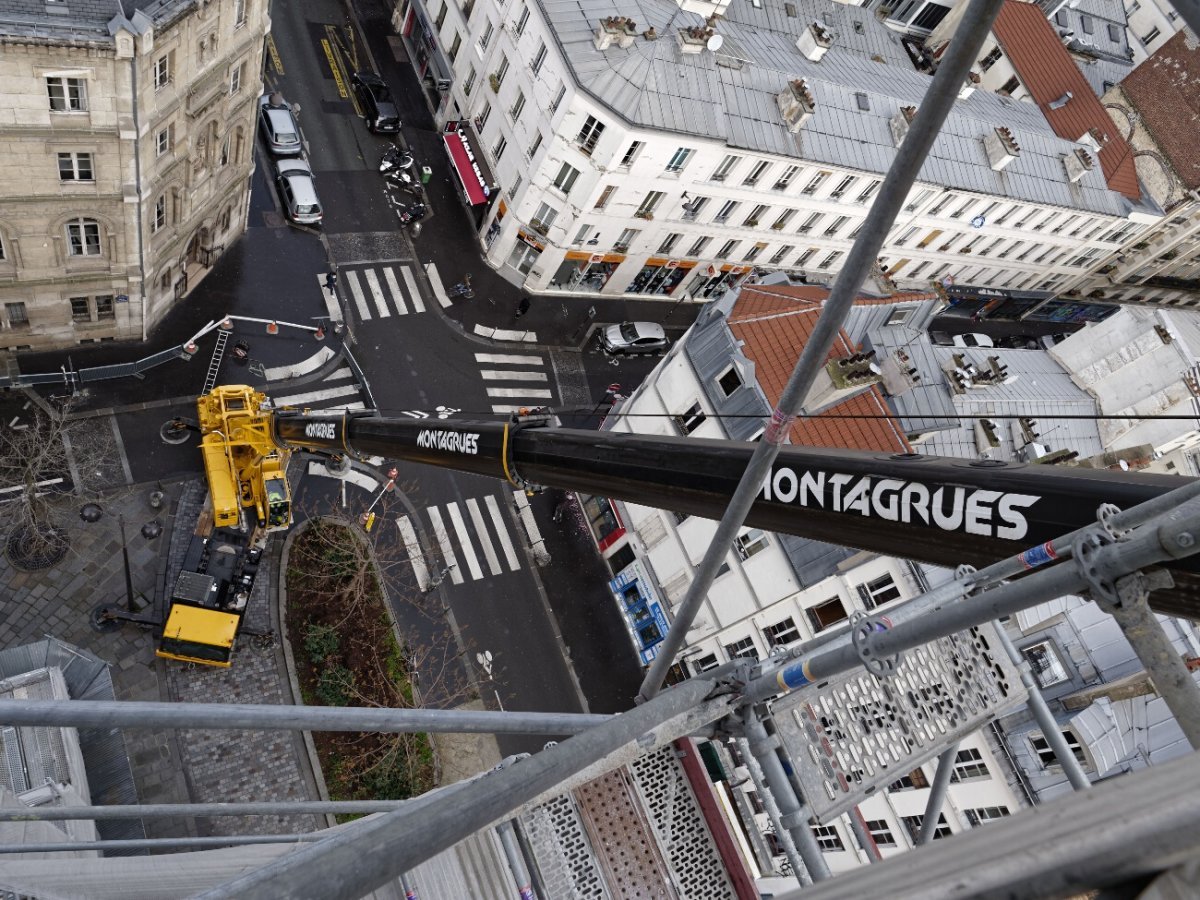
(471, 176)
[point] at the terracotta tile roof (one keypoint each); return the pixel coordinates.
(1166, 91)
(774, 323)
(1048, 71)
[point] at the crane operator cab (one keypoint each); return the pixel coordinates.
(279, 504)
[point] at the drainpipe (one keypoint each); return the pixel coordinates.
(137, 183)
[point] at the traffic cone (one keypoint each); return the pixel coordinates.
(190, 347)
(272, 328)
(319, 334)
(227, 324)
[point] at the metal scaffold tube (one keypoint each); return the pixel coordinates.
(773, 814)
(129, 714)
(939, 99)
(197, 810)
(937, 794)
(192, 843)
(365, 854)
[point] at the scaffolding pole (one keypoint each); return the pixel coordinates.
(937, 794)
(799, 870)
(190, 843)
(197, 810)
(863, 835)
(368, 853)
(129, 714)
(939, 99)
(516, 862)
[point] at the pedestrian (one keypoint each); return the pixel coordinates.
(331, 281)
(523, 307)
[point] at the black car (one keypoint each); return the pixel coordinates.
(377, 104)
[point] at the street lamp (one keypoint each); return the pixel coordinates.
(94, 512)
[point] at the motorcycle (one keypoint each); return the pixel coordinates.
(410, 214)
(396, 159)
(404, 179)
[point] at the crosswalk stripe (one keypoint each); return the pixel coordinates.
(507, 408)
(413, 294)
(331, 303)
(360, 302)
(503, 359)
(506, 543)
(408, 534)
(499, 375)
(435, 282)
(394, 286)
(485, 542)
(317, 396)
(377, 293)
(443, 539)
(464, 540)
(518, 392)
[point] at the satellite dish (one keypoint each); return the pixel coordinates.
(1124, 465)
(715, 42)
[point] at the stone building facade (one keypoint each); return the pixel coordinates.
(126, 150)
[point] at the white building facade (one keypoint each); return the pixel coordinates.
(653, 157)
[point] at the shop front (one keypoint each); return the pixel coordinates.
(1072, 311)
(431, 64)
(525, 251)
(971, 302)
(637, 598)
(711, 282)
(474, 177)
(585, 272)
(660, 276)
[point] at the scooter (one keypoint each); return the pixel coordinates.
(410, 214)
(462, 289)
(395, 159)
(404, 179)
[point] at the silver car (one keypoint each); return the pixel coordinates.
(278, 125)
(298, 191)
(634, 337)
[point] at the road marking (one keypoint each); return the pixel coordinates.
(435, 282)
(518, 392)
(273, 50)
(509, 359)
(507, 408)
(485, 542)
(120, 445)
(353, 476)
(331, 303)
(377, 293)
(310, 397)
(394, 286)
(443, 539)
(510, 552)
(500, 375)
(408, 534)
(335, 69)
(356, 290)
(413, 293)
(464, 540)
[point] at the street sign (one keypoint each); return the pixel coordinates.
(978, 222)
(122, 298)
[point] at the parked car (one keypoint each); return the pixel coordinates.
(972, 339)
(298, 191)
(634, 337)
(278, 125)
(377, 104)
(1050, 340)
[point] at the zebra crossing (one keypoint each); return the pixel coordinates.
(514, 380)
(471, 540)
(337, 390)
(381, 291)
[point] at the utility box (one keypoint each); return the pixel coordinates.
(426, 174)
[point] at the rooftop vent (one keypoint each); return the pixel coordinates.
(619, 30)
(796, 105)
(814, 41)
(900, 122)
(1093, 138)
(1061, 101)
(1078, 163)
(1002, 148)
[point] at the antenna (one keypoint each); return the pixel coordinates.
(715, 42)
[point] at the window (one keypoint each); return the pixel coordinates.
(584, 232)
(743, 649)
(805, 257)
(727, 165)
(782, 221)
(81, 309)
(631, 154)
(692, 209)
(83, 237)
(912, 824)
(704, 663)
(159, 218)
(756, 173)
(726, 210)
(991, 58)
(1010, 87)
(649, 204)
(969, 765)
(750, 541)
(977, 817)
(1088, 24)
(691, 419)
(75, 167)
(605, 195)
(565, 179)
(538, 58)
(16, 313)
(522, 21)
(881, 833)
(828, 838)
(67, 94)
(517, 107)
(781, 253)
(669, 243)
(784, 180)
(868, 192)
(825, 614)
(235, 78)
(467, 8)
(1045, 664)
(843, 186)
(958, 213)
(836, 225)
(239, 13)
(589, 134)
(104, 307)
(810, 223)
(499, 147)
(456, 46)
(908, 235)
(782, 633)
(727, 249)
(469, 81)
(164, 68)
(1151, 35)
(486, 37)
(919, 200)
(626, 239)
(558, 98)
(756, 216)
(679, 159)
(1041, 747)
(441, 16)
(501, 71)
(830, 259)
(534, 145)
(698, 247)
(917, 269)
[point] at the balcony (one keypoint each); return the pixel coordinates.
(644, 214)
(620, 248)
(542, 228)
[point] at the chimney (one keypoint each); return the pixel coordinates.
(900, 122)
(1061, 101)
(969, 85)
(615, 29)
(1078, 163)
(814, 41)
(1002, 148)
(693, 39)
(796, 105)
